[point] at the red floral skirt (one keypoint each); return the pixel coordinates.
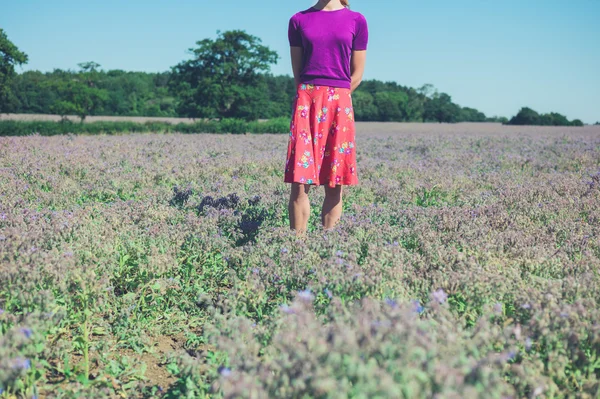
(322, 147)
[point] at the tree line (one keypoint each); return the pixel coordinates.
(527, 116)
(228, 77)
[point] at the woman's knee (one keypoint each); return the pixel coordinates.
(333, 193)
(299, 191)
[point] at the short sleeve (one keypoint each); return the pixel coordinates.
(294, 34)
(361, 35)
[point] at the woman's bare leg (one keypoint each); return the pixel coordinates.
(299, 208)
(332, 206)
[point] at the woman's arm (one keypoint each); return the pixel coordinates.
(357, 67)
(297, 54)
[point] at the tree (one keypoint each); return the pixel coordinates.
(525, 116)
(9, 57)
(576, 122)
(392, 106)
(441, 109)
(223, 79)
(79, 94)
(364, 106)
(471, 115)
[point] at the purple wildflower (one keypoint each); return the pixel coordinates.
(417, 307)
(339, 253)
(306, 295)
(528, 343)
(27, 332)
(284, 250)
(391, 302)
(286, 309)
(21, 363)
(440, 296)
(1, 311)
(255, 270)
(526, 306)
(498, 307)
(328, 293)
(224, 371)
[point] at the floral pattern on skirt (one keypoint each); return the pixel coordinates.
(321, 146)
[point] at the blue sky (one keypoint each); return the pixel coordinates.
(495, 56)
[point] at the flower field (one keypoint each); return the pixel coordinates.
(466, 265)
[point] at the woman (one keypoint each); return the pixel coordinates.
(328, 44)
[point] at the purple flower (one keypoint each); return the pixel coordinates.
(224, 371)
(1, 311)
(391, 302)
(68, 253)
(284, 250)
(417, 307)
(526, 306)
(395, 243)
(255, 270)
(327, 292)
(21, 363)
(508, 356)
(27, 332)
(286, 309)
(440, 296)
(498, 307)
(306, 295)
(528, 343)
(3, 216)
(339, 253)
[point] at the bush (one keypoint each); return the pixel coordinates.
(48, 128)
(527, 116)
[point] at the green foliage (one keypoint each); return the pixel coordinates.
(79, 96)
(527, 116)
(223, 79)
(498, 119)
(127, 93)
(471, 115)
(234, 126)
(10, 56)
(440, 108)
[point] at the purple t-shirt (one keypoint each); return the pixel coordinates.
(328, 39)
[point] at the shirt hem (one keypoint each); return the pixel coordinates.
(328, 82)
